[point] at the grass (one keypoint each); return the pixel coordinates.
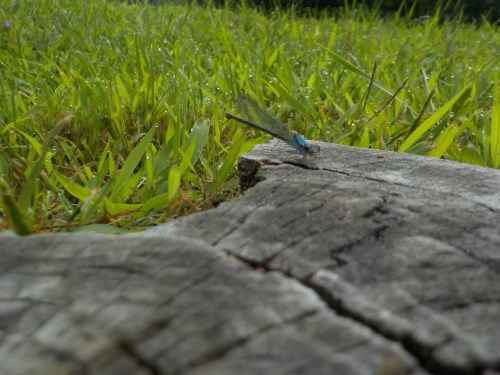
(112, 115)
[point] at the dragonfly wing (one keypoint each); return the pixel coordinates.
(261, 128)
(259, 116)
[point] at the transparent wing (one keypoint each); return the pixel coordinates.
(254, 113)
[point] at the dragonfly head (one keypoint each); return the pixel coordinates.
(312, 149)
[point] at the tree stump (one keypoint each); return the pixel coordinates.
(352, 261)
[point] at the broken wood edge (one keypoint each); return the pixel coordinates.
(248, 169)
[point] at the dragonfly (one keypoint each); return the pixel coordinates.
(261, 120)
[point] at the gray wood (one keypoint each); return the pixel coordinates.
(406, 245)
(353, 261)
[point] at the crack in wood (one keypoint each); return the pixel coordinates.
(351, 173)
(221, 352)
(237, 226)
(309, 166)
(143, 362)
(376, 179)
(421, 353)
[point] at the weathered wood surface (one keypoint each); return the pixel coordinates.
(350, 262)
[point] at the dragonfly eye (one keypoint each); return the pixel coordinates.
(313, 149)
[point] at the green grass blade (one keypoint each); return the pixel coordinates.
(494, 142)
(37, 146)
(353, 68)
(198, 134)
(92, 204)
(432, 120)
(21, 225)
(174, 181)
(444, 141)
(101, 170)
(187, 156)
(76, 190)
(149, 167)
(158, 202)
(131, 163)
(26, 196)
(228, 165)
(365, 138)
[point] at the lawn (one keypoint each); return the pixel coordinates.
(112, 114)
